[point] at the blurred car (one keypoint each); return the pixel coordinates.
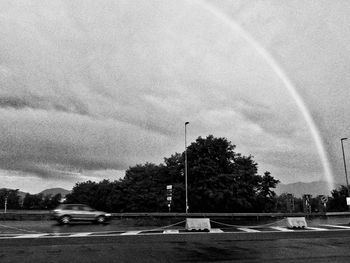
(65, 213)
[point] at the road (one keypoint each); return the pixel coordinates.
(321, 243)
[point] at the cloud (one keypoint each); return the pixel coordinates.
(105, 85)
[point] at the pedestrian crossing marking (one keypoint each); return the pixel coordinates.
(248, 229)
(336, 226)
(129, 233)
(283, 229)
(216, 230)
(81, 235)
(171, 231)
(317, 228)
(30, 236)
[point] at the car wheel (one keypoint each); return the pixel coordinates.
(65, 220)
(101, 219)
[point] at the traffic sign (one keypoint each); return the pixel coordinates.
(324, 199)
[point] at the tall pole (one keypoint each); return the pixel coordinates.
(186, 166)
(346, 173)
(5, 208)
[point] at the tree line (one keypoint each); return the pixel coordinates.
(219, 180)
(13, 200)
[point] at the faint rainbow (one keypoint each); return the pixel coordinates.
(286, 81)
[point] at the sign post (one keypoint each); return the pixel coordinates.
(348, 200)
(324, 200)
(169, 195)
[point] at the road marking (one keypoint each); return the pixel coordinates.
(171, 231)
(80, 234)
(216, 230)
(317, 228)
(343, 227)
(248, 229)
(30, 236)
(283, 229)
(20, 229)
(130, 233)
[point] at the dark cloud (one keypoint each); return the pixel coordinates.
(69, 105)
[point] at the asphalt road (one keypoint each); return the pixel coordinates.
(307, 246)
(22, 241)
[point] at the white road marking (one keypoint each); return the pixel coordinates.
(171, 231)
(130, 233)
(20, 229)
(283, 229)
(343, 227)
(216, 230)
(30, 236)
(248, 229)
(81, 234)
(317, 228)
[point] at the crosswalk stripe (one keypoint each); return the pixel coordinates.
(216, 230)
(317, 228)
(30, 236)
(248, 229)
(80, 234)
(344, 227)
(130, 233)
(281, 228)
(171, 231)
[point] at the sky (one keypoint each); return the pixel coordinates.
(90, 88)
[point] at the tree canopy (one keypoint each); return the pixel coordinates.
(219, 180)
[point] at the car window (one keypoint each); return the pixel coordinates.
(68, 207)
(76, 207)
(86, 208)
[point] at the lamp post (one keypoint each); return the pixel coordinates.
(186, 166)
(346, 173)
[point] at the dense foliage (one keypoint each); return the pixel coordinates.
(219, 180)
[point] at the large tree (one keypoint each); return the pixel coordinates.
(219, 180)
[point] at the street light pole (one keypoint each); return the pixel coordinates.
(5, 207)
(346, 173)
(186, 166)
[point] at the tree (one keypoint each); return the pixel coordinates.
(338, 200)
(33, 201)
(144, 188)
(84, 193)
(266, 198)
(219, 180)
(12, 198)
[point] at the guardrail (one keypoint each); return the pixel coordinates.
(242, 215)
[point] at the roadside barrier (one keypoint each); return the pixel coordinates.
(198, 224)
(296, 222)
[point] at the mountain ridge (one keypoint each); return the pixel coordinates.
(54, 191)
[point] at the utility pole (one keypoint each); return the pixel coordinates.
(346, 173)
(186, 167)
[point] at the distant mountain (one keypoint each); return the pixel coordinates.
(54, 191)
(299, 189)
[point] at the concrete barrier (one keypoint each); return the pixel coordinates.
(296, 222)
(198, 224)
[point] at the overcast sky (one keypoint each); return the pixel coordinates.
(89, 88)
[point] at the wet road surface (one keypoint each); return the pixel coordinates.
(46, 241)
